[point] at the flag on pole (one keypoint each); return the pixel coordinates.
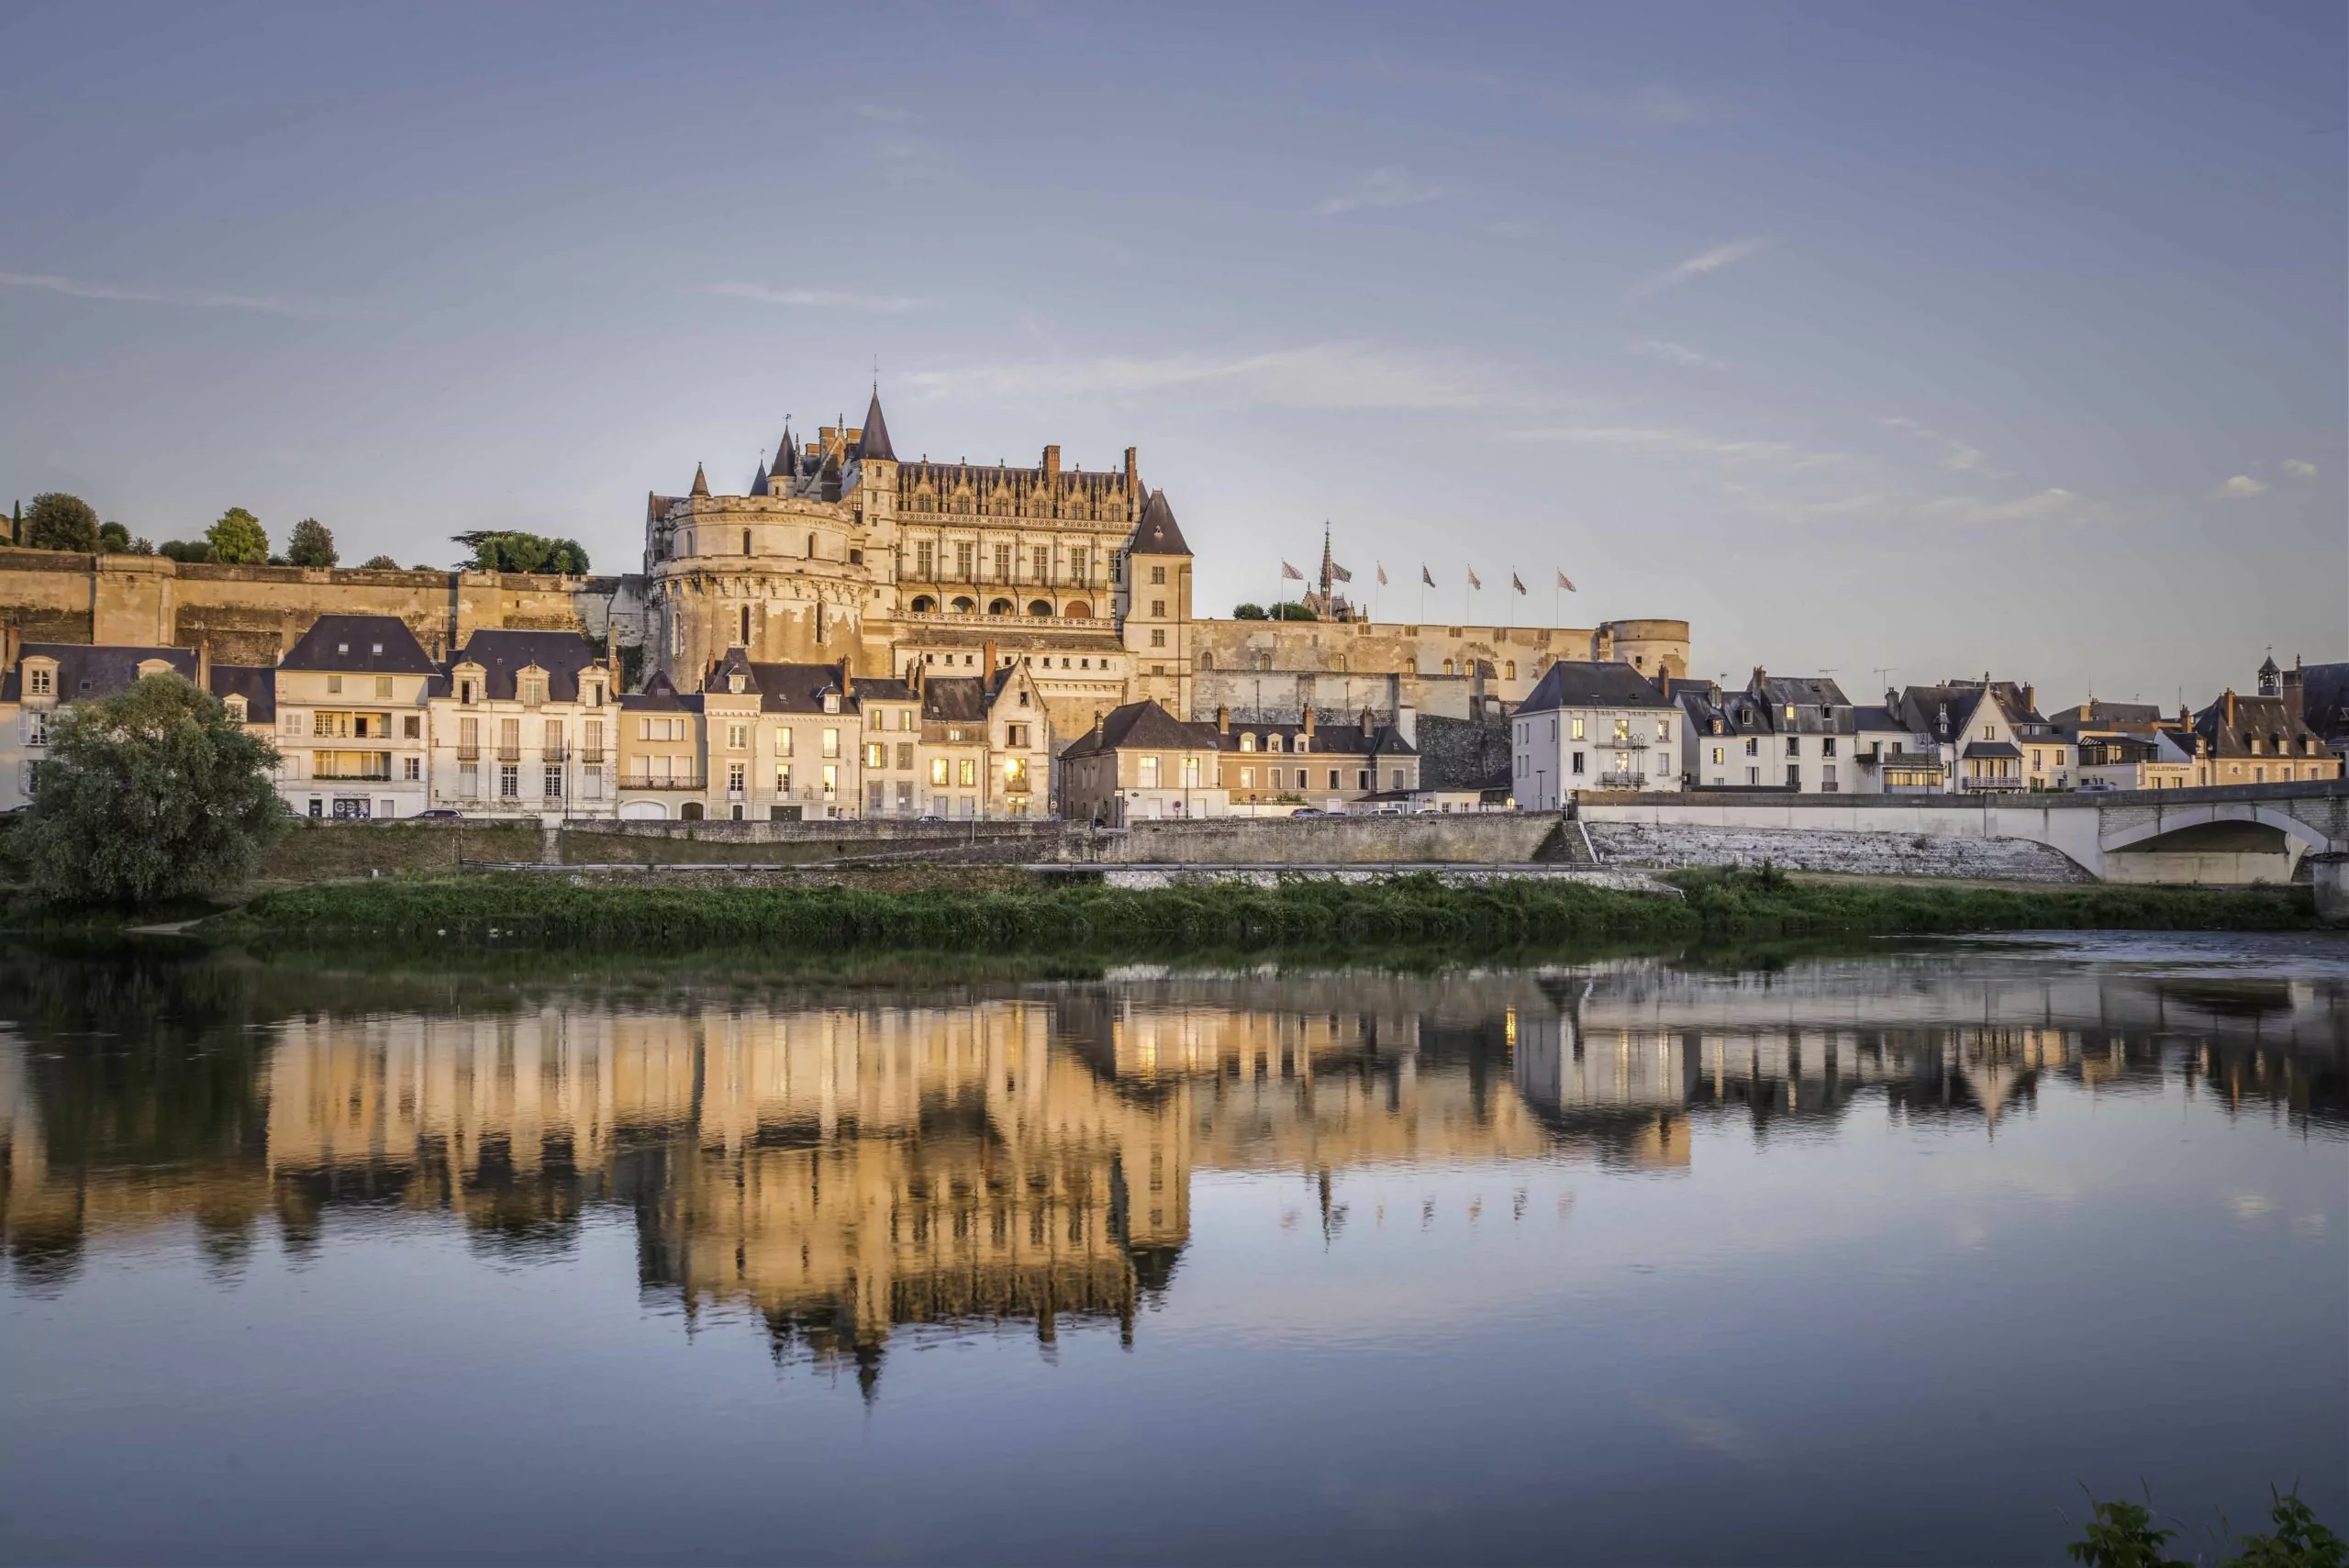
(1516, 582)
(1382, 574)
(1339, 573)
(1426, 576)
(1292, 573)
(1566, 582)
(1473, 582)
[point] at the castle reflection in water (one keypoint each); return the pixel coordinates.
(848, 1164)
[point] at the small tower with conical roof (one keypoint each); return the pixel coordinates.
(701, 484)
(1154, 602)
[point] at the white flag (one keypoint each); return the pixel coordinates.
(1382, 574)
(1473, 582)
(1566, 582)
(1291, 571)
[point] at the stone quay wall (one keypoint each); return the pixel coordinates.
(1831, 850)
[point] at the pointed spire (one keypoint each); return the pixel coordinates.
(759, 478)
(786, 457)
(875, 442)
(701, 483)
(1157, 533)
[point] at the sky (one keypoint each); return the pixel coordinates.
(1896, 341)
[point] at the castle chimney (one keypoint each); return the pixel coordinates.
(1222, 719)
(845, 683)
(2231, 707)
(203, 665)
(1308, 719)
(1761, 679)
(1667, 685)
(1052, 464)
(2294, 695)
(1133, 468)
(989, 660)
(2029, 698)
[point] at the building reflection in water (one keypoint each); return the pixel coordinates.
(850, 1169)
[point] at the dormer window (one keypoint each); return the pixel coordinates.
(832, 702)
(734, 684)
(343, 648)
(378, 649)
(236, 707)
(1248, 742)
(467, 692)
(534, 689)
(40, 681)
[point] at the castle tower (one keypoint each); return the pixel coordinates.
(1156, 594)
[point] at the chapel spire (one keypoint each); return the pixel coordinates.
(874, 440)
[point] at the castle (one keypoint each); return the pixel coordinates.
(842, 552)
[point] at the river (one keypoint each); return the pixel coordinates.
(1871, 1256)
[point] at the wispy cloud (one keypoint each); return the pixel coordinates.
(1696, 266)
(2242, 486)
(1390, 186)
(1677, 442)
(1956, 454)
(884, 113)
(1676, 354)
(2298, 469)
(828, 300)
(265, 304)
(1318, 375)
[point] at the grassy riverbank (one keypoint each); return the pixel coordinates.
(557, 913)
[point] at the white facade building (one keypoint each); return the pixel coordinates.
(1592, 726)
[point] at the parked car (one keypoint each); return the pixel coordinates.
(442, 814)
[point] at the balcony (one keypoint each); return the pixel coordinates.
(558, 752)
(469, 754)
(341, 776)
(695, 783)
(592, 756)
(2015, 785)
(1025, 623)
(1622, 781)
(509, 754)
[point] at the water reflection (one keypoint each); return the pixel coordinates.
(854, 1166)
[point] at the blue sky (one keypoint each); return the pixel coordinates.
(1928, 339)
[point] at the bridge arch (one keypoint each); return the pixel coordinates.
(2169, 820)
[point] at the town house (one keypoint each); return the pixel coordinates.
(523, 724)
(45, 678)
(1139, 762)
(1592, 726)
(660, 769)
(352, 697)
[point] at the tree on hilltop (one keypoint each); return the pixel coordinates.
(380, 564)
(59, 521)
(310, 544)
(494, 550)
(147, 794)
(237, 539)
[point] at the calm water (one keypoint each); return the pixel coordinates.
(1851, 1258)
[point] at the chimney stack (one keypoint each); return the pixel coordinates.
(2231, 707)
(2029, 698)
(1134, 469)
(1222, 719)
(1309, 720)
(2294, 695)
(989, 660)
(1761, 679)
(846, 683)
(203, 665)
(1052, 464)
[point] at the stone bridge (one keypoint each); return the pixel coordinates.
(2235, 833)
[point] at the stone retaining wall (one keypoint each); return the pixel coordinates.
(1829, 850)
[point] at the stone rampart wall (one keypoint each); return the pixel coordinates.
(251, 614)
(1481, 838)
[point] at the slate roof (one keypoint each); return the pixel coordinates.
(504, 655)
(954, 699)
(787, 459)
(377, 645)
(1139, 725)
(87, 670)
(1864, 719)
(1741, 713)
(257, 683)
(701, 483)
(792, 688)
(659, 695)
(1820, 707)
(1944, 711)
(873, 440)
(2270, 720)
(2097, 714)
(1993, 749)
(1329, 740)
(2324, 700)
(1158, 533)
(1574, 683)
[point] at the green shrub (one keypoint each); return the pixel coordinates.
(147, 795)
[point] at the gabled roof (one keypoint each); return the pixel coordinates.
(378, 645)
(257, 683)
(1158, 533)
(1577, 683)
(656, 504)
(1143, 724)
(86, 670)
(659, 695)
(1329, 740)
(954, 699)
(736, 661)
(873, 443)
(1942, 712)
(1866, 719)
(503, 655)
(1739, 712)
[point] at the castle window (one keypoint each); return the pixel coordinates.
(1207, 660)
(1039, 607)
(746, 626)
(1158, 638)
(1512, 668)
(746, 541)
(964, 554)
(923, 605)
(999, 606)
(40, 683)
(812, 546)
(1003, 563)
(925, 561)
(965, 605)
(1157, 576)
